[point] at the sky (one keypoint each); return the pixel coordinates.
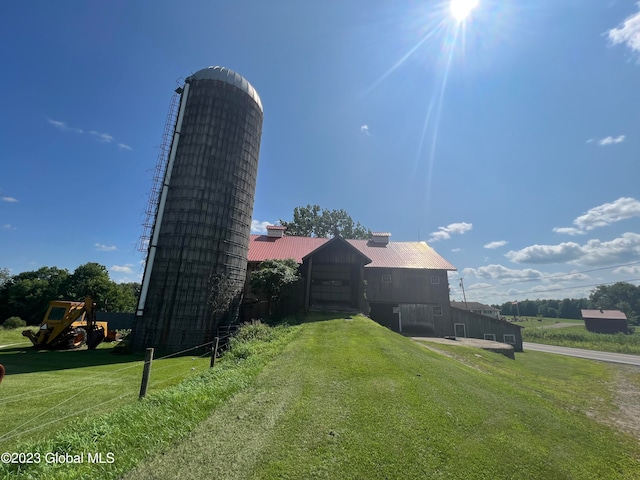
(507, 140)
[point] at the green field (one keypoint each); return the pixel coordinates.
(347, 398)
(542, 331)
(46, 390)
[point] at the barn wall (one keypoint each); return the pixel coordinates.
(407, 285)
(421, 319)
(477, 325)
(599, 325)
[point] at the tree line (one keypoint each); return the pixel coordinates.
(27, 294)
(621, 296)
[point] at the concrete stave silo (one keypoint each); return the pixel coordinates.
(203, 220)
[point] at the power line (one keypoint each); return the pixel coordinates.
(559, 275)
(507, 295)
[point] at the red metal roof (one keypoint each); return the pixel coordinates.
(262, 247)
(392, 255)
(604, 314)
(402, 255)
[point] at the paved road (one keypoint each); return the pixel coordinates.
(579, 352)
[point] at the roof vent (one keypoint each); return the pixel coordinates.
(380, 238)
(275, 231)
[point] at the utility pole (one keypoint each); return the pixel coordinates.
(464, 295)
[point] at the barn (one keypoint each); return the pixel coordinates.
(605, 321)
(401, 285)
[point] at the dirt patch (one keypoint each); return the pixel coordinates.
(627, 392)
(562, 325)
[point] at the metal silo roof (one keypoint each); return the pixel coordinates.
(229, 76)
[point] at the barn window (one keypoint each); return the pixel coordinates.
(437, 310)
(386, 278)
(435, 280)
(490, 336)
(509, 338)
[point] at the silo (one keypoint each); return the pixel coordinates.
(200, 235)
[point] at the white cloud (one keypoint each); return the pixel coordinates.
(8, 226)
(365, 129)
(62, 126)
(259, 227)
(603, 215)
(137, 279)
(9, 199)
(103, 137)
(455, 250)
(611, 140)
(570, 277)
(569, 230)
(497, 244)
(608, 213)
(623, 249)
(444, 233)
(628, 33)
(122, 268)
(628, 270)
(104, 248)
(540, 254)
(499, 272)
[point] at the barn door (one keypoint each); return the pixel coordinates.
(460, 330)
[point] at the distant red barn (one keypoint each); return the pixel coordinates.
(605, 321)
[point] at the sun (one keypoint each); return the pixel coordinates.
(460, 9)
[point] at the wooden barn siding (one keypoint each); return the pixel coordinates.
(477, 325)
(408, 285)
(419, 319)
(598, 325)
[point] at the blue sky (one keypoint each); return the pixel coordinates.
(508, 141)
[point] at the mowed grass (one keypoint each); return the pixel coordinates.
(528, 322)
(350, 399)
(347, 398)
(44, 391)
(138, 429)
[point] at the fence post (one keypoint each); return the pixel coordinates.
(145, 373)
(214, 353)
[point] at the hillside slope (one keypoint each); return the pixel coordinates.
(350, 399)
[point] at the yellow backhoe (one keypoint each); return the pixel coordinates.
(69, 325)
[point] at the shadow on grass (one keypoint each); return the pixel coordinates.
(18, 360)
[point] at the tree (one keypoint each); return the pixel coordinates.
(123, 297)
(27, 294)
(312, 221)
(569, 309)
(5, 276)
(272, 277)
(619, 296)
(91, 279)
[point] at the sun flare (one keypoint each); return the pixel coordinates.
(460, 9)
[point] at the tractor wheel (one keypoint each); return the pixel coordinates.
(95, 338)
(78, 338)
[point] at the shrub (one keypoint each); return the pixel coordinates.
(251, 337)
(13, 322)
(256, 330)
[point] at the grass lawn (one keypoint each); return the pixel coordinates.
(579, 337)
(529, 322)
(44, 391)
(347, 398)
